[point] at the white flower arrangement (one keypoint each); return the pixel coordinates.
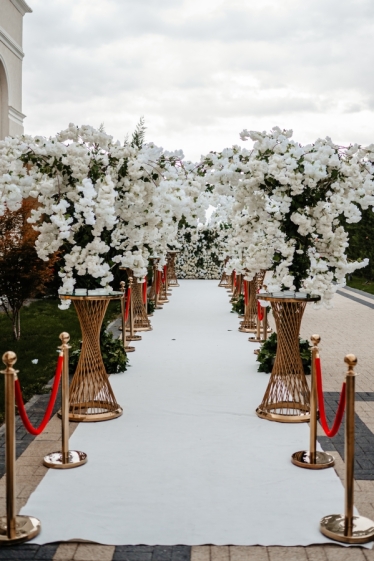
(101, 204)
(287, 201)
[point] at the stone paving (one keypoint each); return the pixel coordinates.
(344, 329)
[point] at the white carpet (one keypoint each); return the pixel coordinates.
(189, 462)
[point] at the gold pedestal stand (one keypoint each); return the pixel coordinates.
(237, 290)
(139, 310)
(91, 395)
(249, 323)
(287, 397)
(65, 459)
(348, 528)
(312, 459)
(163, 297)
(172, 275)
(13, 529)
(127, 347)
(131, 336)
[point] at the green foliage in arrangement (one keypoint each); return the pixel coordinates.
(268, 350)
(238, 306)
(114, 355)
(150, 307)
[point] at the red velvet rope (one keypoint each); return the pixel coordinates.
(234, 279)
(128, 300)
(158, 282)
(260, 311)
(47, 415)
(164, 273)
(246, 295)
(145, 290)
(322, 415)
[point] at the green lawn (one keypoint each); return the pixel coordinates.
(41, 324)
(361, 284)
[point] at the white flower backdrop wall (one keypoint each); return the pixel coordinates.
(200, 255)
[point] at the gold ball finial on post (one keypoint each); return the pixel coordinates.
(122, 286)
(64, 337)
(316, 339)
(9, 359)
(351, 360)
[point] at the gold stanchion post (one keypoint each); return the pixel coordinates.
(346, 527)
(13, 529)
(127, 347)
(65, 459)
(313, 459)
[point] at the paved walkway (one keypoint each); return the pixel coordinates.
(346, 328)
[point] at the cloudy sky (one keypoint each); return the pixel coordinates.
(200, 71)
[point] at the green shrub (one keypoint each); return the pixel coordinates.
(268, 350)
(238, 305)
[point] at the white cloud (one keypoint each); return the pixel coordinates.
(201, 70)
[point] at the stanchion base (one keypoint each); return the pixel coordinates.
(302, 414)
(164, 301)
(247, 329)
(27, 527)
(322, 460)
(333, 526)
(92, 412)
(133, 337)
(255, 340)
(129, 349)
(75, 459)
(144, 328)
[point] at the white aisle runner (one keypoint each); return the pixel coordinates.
(189, 462)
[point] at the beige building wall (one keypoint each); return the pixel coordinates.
(11, 56)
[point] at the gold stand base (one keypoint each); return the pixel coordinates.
(27, 527)
(321, 461)
(247, 329)
(255, 340)
(144, 328)
(106, 413)
(129, 349)
(75, 459)
(164, 301)
(333, 526)
(302, 415)
(133, 337)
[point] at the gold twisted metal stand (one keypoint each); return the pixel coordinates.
(140, 317)
(65, 459)
(287, 397)
(91, 395)
(349, 528)
(313, 459)
(249, 323)
(172, 275)
(237, 288)
(13, 529)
